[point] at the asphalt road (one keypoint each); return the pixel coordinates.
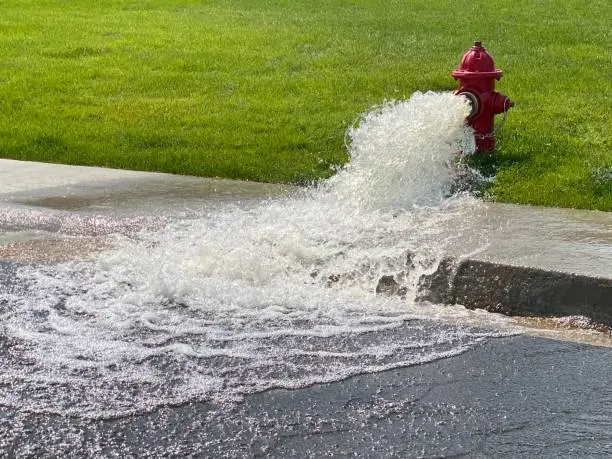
(510, 397)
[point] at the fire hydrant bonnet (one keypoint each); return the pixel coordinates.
(477, 63)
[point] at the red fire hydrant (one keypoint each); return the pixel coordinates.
(476, 76)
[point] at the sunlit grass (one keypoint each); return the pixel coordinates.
(264, 90)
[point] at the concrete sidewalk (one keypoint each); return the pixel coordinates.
(537, 261)
(62, 187)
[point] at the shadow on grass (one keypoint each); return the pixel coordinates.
(488, 165)
(538, 169)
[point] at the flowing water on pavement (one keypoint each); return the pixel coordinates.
(239, 297)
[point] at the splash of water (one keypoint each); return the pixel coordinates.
(401, 153)
(245, 298)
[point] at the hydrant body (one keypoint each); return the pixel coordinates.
(476, 76)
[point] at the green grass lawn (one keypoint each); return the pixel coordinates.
(265, 89)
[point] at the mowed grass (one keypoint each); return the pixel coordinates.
(265, 90)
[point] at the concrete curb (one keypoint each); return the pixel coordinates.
(517, 290)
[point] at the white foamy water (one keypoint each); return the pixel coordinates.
(242, 298)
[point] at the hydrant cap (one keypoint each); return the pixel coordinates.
(477, 63)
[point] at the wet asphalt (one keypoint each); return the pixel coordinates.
(517, 396)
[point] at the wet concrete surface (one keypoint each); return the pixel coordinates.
(44, 205)
(91, 190)
(511, 397)
(562, 240)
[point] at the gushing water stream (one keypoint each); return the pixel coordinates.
(244, 297)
